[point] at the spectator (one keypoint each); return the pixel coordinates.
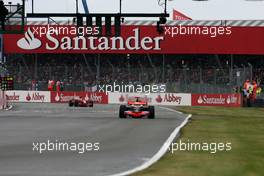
(58, 86)
(184, 70)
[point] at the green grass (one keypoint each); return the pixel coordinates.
(243, 127)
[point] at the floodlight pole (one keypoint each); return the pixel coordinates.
(24, 14)
(77, 6)
(32, 5)
(165, 9)
(120, 7)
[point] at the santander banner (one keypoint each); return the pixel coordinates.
(138, 39)
(227, 100)
(65, 97)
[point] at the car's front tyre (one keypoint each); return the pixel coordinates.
(151, 112)
(122, 110)
(76, 103)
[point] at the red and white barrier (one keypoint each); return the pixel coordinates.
(166, 99)
(3, 100)
(226, 100)
(64, 97)
(28, 96)
(163, 99)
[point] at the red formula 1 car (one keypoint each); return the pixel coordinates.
(137, 107)
(80, 102)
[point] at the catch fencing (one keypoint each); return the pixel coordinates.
(176, 80)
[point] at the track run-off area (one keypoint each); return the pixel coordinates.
(121, 144)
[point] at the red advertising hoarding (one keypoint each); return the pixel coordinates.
(226, 100)
(162, 99)
(20, 96)
(65, 97)
(140, 40)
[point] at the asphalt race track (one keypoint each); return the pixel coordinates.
(124, 143)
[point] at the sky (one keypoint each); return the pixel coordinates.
(210, 10)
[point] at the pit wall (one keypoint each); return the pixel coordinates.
(164, 99)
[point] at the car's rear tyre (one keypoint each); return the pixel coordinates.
(151, 112)
(122, 110)
(91, 105)
(71, 103)
(76, 103)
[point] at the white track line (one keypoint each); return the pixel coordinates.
(172, 110)
(160, 153)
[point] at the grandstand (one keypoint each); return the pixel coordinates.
(181, 73)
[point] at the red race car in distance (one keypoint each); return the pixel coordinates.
(137, 107)
(80, 102)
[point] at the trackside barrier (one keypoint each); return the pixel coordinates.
(3, 100)
(166, 99)
(226, 100)
(64, 97)
(28, 96)
(53, 97)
